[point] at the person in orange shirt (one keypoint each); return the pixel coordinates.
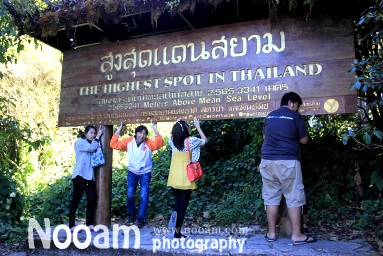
(139, 149)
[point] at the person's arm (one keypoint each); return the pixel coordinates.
(84, 145)
(158, 141)
(100, 132)
(304, 140)
(154, 127)
(197, 126)
(115, 143)
(302, 131)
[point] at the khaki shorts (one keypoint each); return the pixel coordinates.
(282, 177)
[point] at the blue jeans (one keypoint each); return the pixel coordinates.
(132, 183)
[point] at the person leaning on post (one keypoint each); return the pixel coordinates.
(284, 129)
(139, 149)
(83, 177)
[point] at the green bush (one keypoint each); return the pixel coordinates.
(231, 187)
(13, 137)
(242, 205)
(233, 168)
(54, 201)
(119, 192)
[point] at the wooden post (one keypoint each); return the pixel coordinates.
(284, 221)
(104, 181)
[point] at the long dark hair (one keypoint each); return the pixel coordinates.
(87, 130)
(180, 132)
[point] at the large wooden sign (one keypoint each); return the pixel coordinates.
(233, 71)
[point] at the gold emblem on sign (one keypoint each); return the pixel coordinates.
(331, 105)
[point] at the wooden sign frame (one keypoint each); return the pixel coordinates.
(239, 70)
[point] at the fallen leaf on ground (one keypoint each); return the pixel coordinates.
(378, 241)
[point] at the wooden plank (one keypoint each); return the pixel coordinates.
(242, 71)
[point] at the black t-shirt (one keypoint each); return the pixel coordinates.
(282, 130)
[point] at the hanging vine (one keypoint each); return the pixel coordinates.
(48, 18)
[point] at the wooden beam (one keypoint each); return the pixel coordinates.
(104, 181)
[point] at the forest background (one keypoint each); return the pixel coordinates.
(342, 164)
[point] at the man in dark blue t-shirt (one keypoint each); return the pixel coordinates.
(283, 131)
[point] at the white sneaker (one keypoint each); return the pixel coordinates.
(173, 220)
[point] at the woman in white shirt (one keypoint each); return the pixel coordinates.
(83, 175)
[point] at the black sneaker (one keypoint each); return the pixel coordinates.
(140, 222)
(131, 219)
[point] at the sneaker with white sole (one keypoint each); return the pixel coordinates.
(173, 220)
(140, 222)
(131, 219)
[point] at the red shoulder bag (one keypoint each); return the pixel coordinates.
(194, 170)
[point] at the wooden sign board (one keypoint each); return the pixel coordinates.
(234, 71)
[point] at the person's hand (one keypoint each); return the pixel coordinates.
(100, 131)
(196, 122)
(119, 128)
(154, 126)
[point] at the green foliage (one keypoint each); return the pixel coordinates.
(13, 137)
(244, 204)
(31, 146)
(325, 169)
(368, 70)
(328, 168)
(370, 215)
(9, 37)
(46, 18)
(53, 202)
(377, 179)
(12, 41)
(366, 133)
(161, 197)
(231, 167)
(119, 192)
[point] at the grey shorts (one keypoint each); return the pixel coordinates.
(282, 177)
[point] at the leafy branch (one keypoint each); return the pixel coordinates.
(368, 83)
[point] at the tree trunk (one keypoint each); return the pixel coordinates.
(284, 221)
(354, 171)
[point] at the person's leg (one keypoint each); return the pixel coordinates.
(271, 194)
(293, 190)
(295, 220)
(144, 197)
(182, 201)
(272, 216)
(177, 199)
(90, 191)
(78, 188)
(131, 195)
